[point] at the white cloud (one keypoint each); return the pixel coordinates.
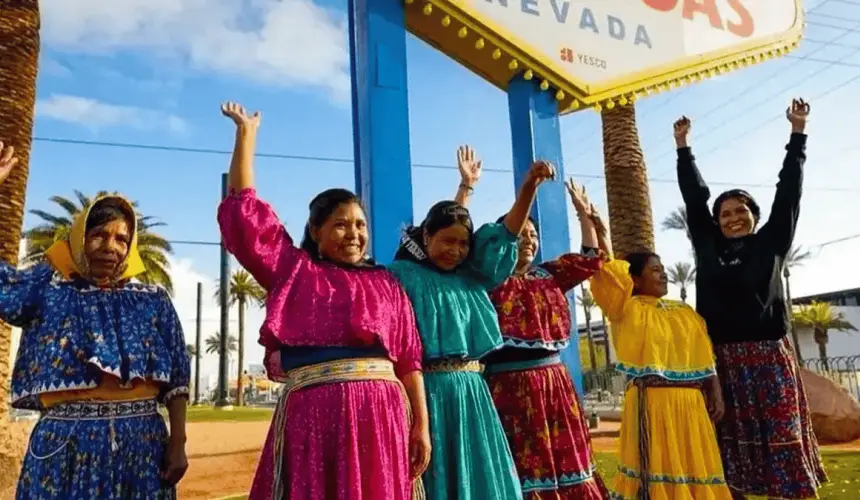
(276, 42)
(97, 114)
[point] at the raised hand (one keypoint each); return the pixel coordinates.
(797, 114)
(578, 197)
(599, 224)
(681, 131)
(8, 160)
(236, 112)
(539, 172)
(469, 165)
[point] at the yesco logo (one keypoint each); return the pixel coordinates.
(568, 55)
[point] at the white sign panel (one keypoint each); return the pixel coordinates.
(598, 41)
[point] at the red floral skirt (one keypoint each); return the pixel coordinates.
(766, 439)
(546, 429)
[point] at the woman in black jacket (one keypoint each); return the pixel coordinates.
(766, 439)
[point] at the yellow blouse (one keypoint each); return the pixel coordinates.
(652, 336)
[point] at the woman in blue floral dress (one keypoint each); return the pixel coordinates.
(98, 353)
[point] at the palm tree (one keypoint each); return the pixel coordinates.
(796, 257)
(586, 301)
(191, 350)
(243, 289)
(153, 248)
(19, 37)
(821, 317)
(677, 220)
(213, 344)
(682, 274)
(626, 182)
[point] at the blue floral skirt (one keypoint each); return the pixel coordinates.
(108, 451)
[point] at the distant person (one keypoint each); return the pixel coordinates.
(543, 419)
(340, 334)
(447, 269)
(766, 438)
(98, 354)
(668, 446)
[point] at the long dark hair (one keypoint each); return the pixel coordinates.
(638, 261)
(441, 215)
(738, 194)
(321, 208)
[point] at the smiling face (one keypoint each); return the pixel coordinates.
(343, 236)
(653, 280)
(735, 218)
(106, 248)
(528, 246)
(448, 247)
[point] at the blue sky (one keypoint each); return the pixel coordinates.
(155, 71)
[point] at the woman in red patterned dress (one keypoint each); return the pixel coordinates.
(532, 390)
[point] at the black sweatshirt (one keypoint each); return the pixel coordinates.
(739, 289)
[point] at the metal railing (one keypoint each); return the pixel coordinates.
(842, 370)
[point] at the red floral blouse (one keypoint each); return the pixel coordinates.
(532, 307)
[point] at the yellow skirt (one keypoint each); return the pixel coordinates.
(683, 460)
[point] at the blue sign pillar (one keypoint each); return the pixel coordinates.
(380, 113)
(536, 135)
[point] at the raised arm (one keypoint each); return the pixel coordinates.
(571, 269)
(780, 226)
(516, 219)
(470, 172)
(602, 230)
(694, 190)
(249, 226)
(19, 290)
(242, 163)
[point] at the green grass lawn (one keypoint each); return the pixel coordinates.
(842, 466)
(237, 414)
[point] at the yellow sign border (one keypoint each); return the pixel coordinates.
(468, 33)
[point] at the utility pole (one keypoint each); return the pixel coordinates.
(197, 343)
(223, 365)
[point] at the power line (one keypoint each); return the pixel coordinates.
(285, 156)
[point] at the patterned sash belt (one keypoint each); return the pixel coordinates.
(515, 366)
(98, 410)
(453, 365)
(332, 372)
(643, 384)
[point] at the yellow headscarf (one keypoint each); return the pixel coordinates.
(69, 256)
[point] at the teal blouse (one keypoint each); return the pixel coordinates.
(453, 310)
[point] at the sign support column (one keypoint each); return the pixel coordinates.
(536, 135)
(380, 112)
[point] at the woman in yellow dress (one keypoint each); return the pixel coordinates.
(663, 348)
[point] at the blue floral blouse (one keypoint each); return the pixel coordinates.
(73, 333)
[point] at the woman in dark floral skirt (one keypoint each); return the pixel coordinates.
(766, 439)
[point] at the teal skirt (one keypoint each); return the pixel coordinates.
(471, 459)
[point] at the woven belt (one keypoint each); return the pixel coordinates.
(643, 384)
(453, 365)
(99, 410)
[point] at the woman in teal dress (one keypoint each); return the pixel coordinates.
(447, 270)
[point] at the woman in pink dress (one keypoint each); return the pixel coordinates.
(340, 334)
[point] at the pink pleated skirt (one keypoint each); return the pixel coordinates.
(343, 441)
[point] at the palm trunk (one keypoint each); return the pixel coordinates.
(607, 340)
(19, 61)
(592, 350)
(683, 294)
(630, 218)
(821, 340)
(240, 393)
